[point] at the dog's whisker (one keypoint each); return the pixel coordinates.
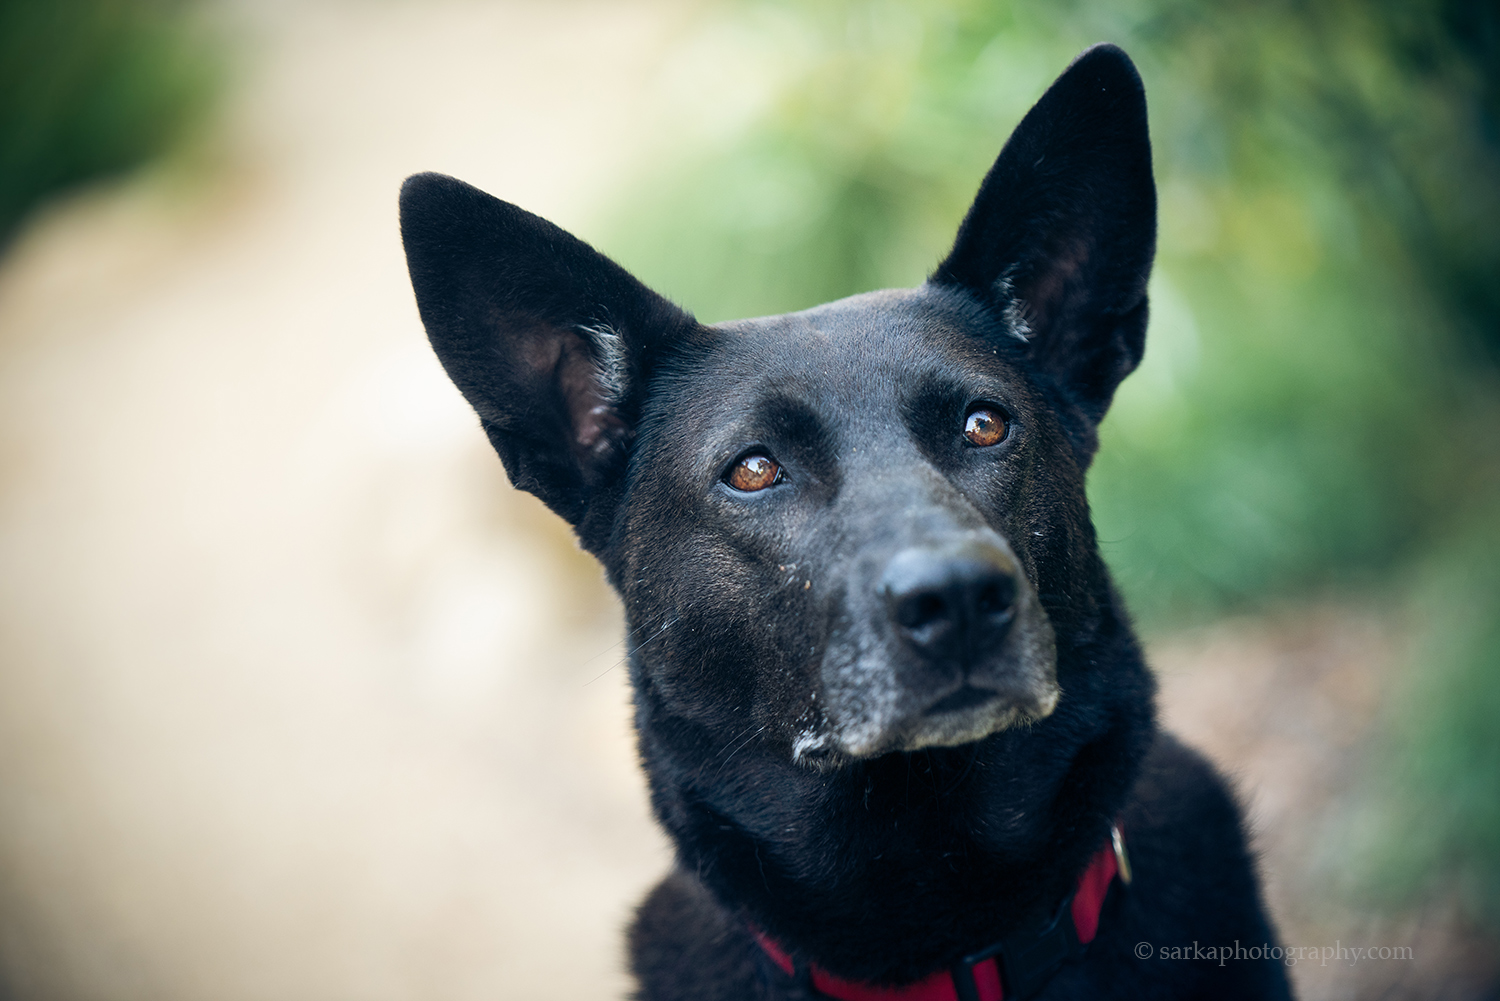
(972, 756)
(744, 743)
(726, 749)
(613, 646)
(634, 650)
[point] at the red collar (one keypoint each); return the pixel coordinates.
(1014, 967)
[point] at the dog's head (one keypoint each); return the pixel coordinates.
(851, 530)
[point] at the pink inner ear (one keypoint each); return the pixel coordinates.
(595, 423)
(555, 355)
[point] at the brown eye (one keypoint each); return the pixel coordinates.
(754, 472)
(984, 427)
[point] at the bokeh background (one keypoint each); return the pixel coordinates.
(299, 700)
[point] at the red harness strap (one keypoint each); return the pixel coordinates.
(1026, 961)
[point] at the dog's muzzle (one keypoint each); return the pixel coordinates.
(955, 648)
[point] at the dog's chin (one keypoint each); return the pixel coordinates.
(966, 716)
(964, 726)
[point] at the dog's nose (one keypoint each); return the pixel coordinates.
(951, 602)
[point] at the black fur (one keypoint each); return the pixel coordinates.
(876, 802)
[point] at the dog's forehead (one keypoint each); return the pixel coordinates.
(864, 350)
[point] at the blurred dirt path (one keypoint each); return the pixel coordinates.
(1291, 706)
(297, 698)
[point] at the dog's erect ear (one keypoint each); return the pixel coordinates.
(1064, 228)
(547, 338)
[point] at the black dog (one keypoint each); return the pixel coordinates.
(889, 702)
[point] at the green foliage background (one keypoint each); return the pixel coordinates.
(92, 88)
(1319, 405)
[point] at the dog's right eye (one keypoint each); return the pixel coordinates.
(754, 472)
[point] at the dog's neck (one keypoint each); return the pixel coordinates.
(869, 869)
(1018, 966)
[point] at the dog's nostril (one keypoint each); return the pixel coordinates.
(995, 596)
(923, 609)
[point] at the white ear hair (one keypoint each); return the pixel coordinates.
(608, 348)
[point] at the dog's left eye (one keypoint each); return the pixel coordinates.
(754, 472)
(985, 426)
